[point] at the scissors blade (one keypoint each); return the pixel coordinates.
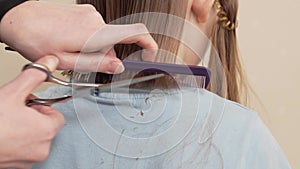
(128, 82)
(87, 91)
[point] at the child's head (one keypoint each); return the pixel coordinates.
(217, 19)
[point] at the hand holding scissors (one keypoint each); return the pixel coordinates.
(84, 86)
(26, 132)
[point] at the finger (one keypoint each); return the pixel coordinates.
(57, 119)
(147, 54)
(43, 109)
(127, 34)
(17, 164)
(30, 97)
(29, 79)
(25, 165)
(111, 52)
(90, 62)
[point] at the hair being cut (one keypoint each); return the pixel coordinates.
(224, 40)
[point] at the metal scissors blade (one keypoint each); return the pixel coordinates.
(85, 86)
(46, 102)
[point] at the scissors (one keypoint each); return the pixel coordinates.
(53, 79)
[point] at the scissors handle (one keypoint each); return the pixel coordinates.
(40, 67)
(51, 78)
(117, 84)
(46, 102)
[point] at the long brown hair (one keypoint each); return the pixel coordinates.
(223, 40)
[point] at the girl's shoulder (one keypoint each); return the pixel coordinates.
(242, 136)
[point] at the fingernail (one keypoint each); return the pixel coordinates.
(51, 62)
(149, 54)
(116, 67)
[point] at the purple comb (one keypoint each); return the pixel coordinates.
(165, 68)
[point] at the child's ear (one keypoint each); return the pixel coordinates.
(202, 9)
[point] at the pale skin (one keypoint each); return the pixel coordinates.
(202, 15)
(37, 29)
(54, 34)
(59, 32)
(26, 132)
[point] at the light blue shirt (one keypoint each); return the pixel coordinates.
(142, 129)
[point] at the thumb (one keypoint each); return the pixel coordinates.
(29, 79)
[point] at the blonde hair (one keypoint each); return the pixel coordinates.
(225, 43)
(224, 40)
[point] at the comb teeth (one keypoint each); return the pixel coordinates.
(155, 67)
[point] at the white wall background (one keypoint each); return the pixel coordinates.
(269, 44)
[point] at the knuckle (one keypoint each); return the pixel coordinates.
(42, 154)
(88, 7)
(49, 131)
(96, 15)
(141, 27)
(92, 18)
(153, 45)
(95, 20)
(57, 124)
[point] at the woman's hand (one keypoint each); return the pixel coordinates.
(26, 132)
(37, 29)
